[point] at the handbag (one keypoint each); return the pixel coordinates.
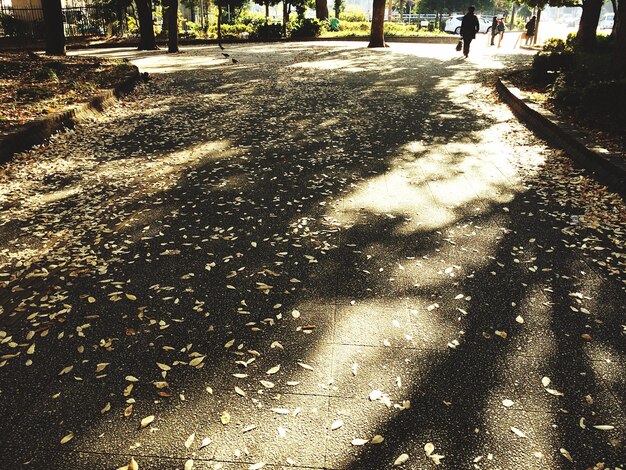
(459, 45)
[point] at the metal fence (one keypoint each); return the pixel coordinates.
(91, 20)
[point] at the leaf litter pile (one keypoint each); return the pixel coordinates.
(32, 86)
(169, 283)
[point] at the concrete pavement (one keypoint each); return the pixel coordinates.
(322, 256)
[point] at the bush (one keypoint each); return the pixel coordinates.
(353, 14)
(554, 45)
(604, 100)
(355, 26)
(564, 91)
(308, 28)
(546, 62)
(230, 31)
(266, 31)
(399, 29)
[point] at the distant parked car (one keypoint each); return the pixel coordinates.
(606, 22)
(453, 24)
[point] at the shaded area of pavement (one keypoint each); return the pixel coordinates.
(373, 222)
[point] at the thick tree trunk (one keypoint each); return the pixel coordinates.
(586, 36)
(267, 10)
(377, 35)
(321, 9)
(53, 22)
(619, 53)
(172, 26)
(147, 41)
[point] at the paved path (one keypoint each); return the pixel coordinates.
(281, 259)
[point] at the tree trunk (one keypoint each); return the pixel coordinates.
(619, 53)
(615, 7)
(285, 18)
(377, 35)
(586, 36)
(511, 24)
(267, 10)
(53, 24)
(321, 9)
(389, 10)
(147, 41)
(537, 26)
(219, 23)
(172, 26)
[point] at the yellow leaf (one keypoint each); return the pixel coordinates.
(190, 440)
(67, 438)
(163, 366)
(146, 421)
(401, 460)
(196, 361)
(273, 370)
(131, 297)
(106, 408)
(225, 418)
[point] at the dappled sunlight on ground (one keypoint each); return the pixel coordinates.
(321, 256)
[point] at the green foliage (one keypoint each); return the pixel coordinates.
(353, 13)
(399, 29)
(605, 99)
(308, 28)
(554, 45)
(231, 31)
(267, 31)
(132, 26)
(46, 74)
(546, 63)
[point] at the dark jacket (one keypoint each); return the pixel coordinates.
(469, 26)
(530, 27)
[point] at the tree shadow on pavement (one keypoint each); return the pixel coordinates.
(279, 244)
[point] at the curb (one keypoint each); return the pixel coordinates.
(41, 129)
(608, 169)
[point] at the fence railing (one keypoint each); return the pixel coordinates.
(91, 20)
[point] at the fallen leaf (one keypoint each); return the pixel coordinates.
(273, 370)
(359, 442)
(189, 464)
(518, 432)
(507, 402)
(377, 439)
(146, 421)
(67, 438)
(604, 427)
(429, 448)
(566, 454)
(336, 424)
(225, 418)
(190, 440)
(196, 361)
(106, 408)
(401, 460)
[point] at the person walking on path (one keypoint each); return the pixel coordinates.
(530, 29)
(500, 30)
(469, 28)
(494, 29)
